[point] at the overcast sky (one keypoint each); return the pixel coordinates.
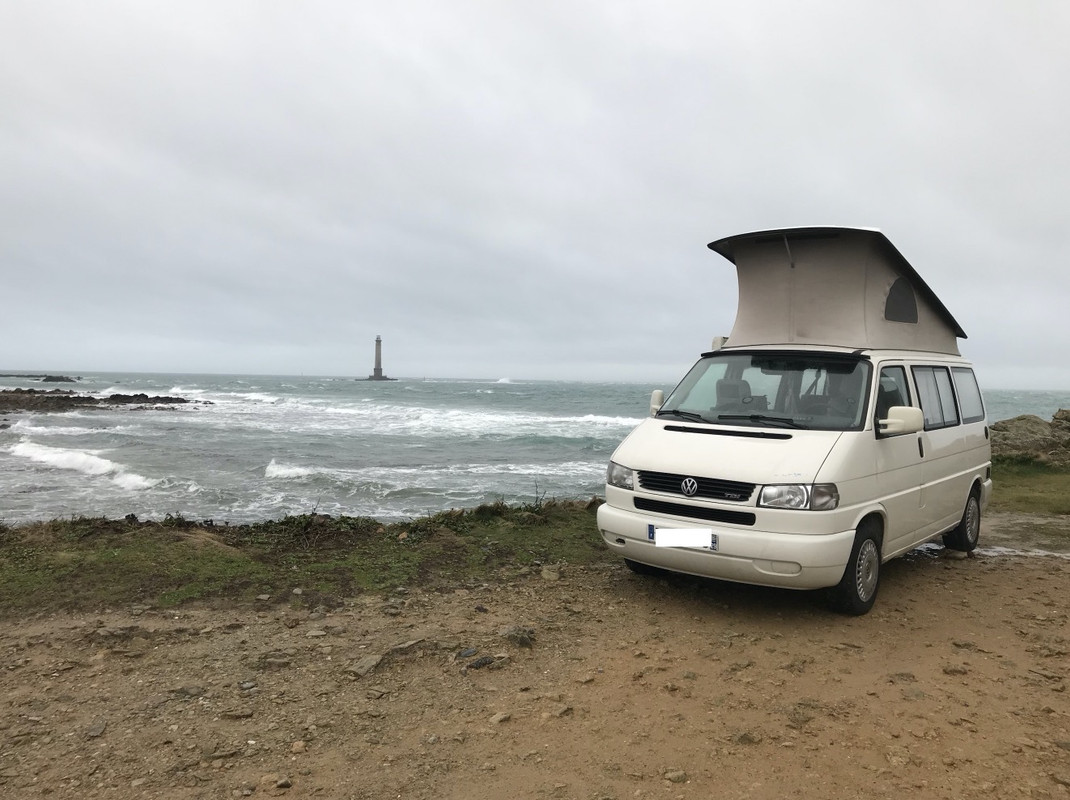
(511, 189)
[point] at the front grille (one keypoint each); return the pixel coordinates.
(708, 488)
(694, 512)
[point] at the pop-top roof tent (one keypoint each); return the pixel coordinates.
(845, 287)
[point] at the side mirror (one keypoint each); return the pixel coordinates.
(900, 420)
(657, 400)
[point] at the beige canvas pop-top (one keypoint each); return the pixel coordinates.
(846, 287)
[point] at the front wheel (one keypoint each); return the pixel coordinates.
(857, 589)
(964, 537)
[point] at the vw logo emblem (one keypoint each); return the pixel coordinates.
(689, 486)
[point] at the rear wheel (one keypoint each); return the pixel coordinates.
(964, 537)
(857, 589)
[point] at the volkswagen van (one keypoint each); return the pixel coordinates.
(835, 428)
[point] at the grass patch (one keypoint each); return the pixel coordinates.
(94, 563)
(1030, 487)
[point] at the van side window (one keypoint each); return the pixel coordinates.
(892, 390)
(970, 403)
(936, 396)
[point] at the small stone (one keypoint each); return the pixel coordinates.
(298, 747)
(96, 729)
(902, 677)
(675, 776)
(500, 717)
(365, 665)
(263, 598)
(551, 573)
(298, 592)
(519, 635)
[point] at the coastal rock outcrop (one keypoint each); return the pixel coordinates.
(1030, 438)
(66, 400)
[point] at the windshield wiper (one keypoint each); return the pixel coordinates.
(787, 422)
(689, 415)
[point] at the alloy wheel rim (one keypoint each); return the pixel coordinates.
(868, 565)
(973, 521)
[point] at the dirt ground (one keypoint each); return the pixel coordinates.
(565, 683)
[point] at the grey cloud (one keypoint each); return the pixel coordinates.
(514, 191)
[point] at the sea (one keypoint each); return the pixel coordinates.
(249, 448)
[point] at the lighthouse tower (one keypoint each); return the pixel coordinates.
(377, 372)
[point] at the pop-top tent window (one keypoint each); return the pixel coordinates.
(901, 305)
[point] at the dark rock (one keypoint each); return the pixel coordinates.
(66, 400)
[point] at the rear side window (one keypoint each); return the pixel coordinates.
(970, 403)
(936, 396)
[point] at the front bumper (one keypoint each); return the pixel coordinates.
(787, 560)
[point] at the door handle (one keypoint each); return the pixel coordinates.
(921, 447)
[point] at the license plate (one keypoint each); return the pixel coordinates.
(703, 538)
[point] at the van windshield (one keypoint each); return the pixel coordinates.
(774, 389)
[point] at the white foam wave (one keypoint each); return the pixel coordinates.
(26, 427)
(84, 461)
(132, 481)
(277, 470)
(257, 397)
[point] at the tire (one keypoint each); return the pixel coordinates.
(965, 535)
(857, 589)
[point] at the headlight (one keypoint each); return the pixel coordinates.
(818, 497)
(621, 477)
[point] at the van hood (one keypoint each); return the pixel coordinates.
(752, 455)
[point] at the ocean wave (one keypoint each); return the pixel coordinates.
(25, 427)
(84, 461)
(277, 470)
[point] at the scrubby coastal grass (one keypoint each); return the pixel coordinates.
(89, 563)
(1030, 487)
(95, 563)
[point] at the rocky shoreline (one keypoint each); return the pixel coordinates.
(67, 400)
(41, 378)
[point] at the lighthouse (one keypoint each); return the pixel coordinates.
(377, 372)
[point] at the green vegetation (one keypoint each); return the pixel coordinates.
(91, 563)
(94, 563)
(1030, 487)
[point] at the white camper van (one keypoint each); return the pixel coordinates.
(835, 428)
